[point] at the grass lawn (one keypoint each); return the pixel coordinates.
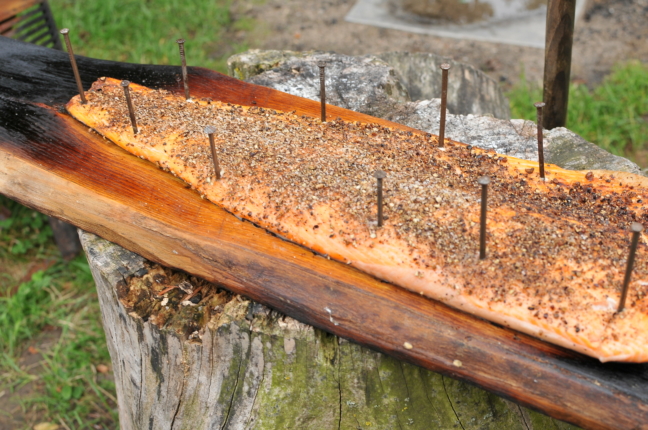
(137, 31)
(613, 115)
(54, 365)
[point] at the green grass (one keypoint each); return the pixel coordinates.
(58, 304)
(613, 115)
(25, 231)
(139, 31)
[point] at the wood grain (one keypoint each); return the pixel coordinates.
(9, 8)
(54, 164)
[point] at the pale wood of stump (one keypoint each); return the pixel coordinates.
(257, 369)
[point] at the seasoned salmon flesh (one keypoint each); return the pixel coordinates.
(557, 248)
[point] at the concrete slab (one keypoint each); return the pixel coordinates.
(528, 30)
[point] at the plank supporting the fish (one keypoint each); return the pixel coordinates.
(54, 164)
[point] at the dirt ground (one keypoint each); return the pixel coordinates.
(609, 32)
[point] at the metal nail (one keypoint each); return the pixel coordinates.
(185, 79)
(636, 229)
(66, 35)
(444, 101)
(539, 107)
(322, 67)
(380, 175)
(131, 110)
(483, 181)
(210, 130)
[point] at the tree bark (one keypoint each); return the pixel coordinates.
(229, 363)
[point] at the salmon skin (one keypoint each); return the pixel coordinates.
(557, 248)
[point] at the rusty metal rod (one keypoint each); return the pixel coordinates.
(322, 76)
(483, 181)
(557, 66)
(210, 130)
(539, 107)
(185, 79)
(66, 35)
(444, 101)
(636, 229)
(131, 110)
(380, 175)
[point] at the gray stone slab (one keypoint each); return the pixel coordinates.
(470, 91)
(526, 31)
(375, 85)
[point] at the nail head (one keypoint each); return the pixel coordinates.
(321, 63)
(484, 180)
(181, 41)
(210, 129)
(125, 83)
(636, 227)
(380, 174)
(445, 66)
(539, 105)
(64, 31)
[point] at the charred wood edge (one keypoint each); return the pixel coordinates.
(557, 382)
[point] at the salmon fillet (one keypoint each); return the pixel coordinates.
(557, 249)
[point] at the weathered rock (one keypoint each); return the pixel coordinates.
(516, 137)
(363, 84)
(253, 62)
(372, 84)
(470, 91)
(569, 150)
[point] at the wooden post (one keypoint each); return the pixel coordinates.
(557, 67)
(66, 238)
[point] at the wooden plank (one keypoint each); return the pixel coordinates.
(9, 8)
(52, 163)
(7, 26)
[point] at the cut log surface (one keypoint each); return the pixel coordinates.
(52, 163)
(228, 362)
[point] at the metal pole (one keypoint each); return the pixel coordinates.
(539, 107)
(557, 67)
(380, 175)
(444, 101)
(636, 232)
(322, 68)
(483, 181)
(65, 32)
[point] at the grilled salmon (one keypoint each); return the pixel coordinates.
(557, 248)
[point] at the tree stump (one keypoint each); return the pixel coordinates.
(190, 354)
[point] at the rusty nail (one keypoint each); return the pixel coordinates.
(636, 229)
(210, 130)
(444, 101)
(380, 175)
(483, 181)
(185, 79)
(322, 67)
(539, 107)
(66, 35)
(131, 111)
